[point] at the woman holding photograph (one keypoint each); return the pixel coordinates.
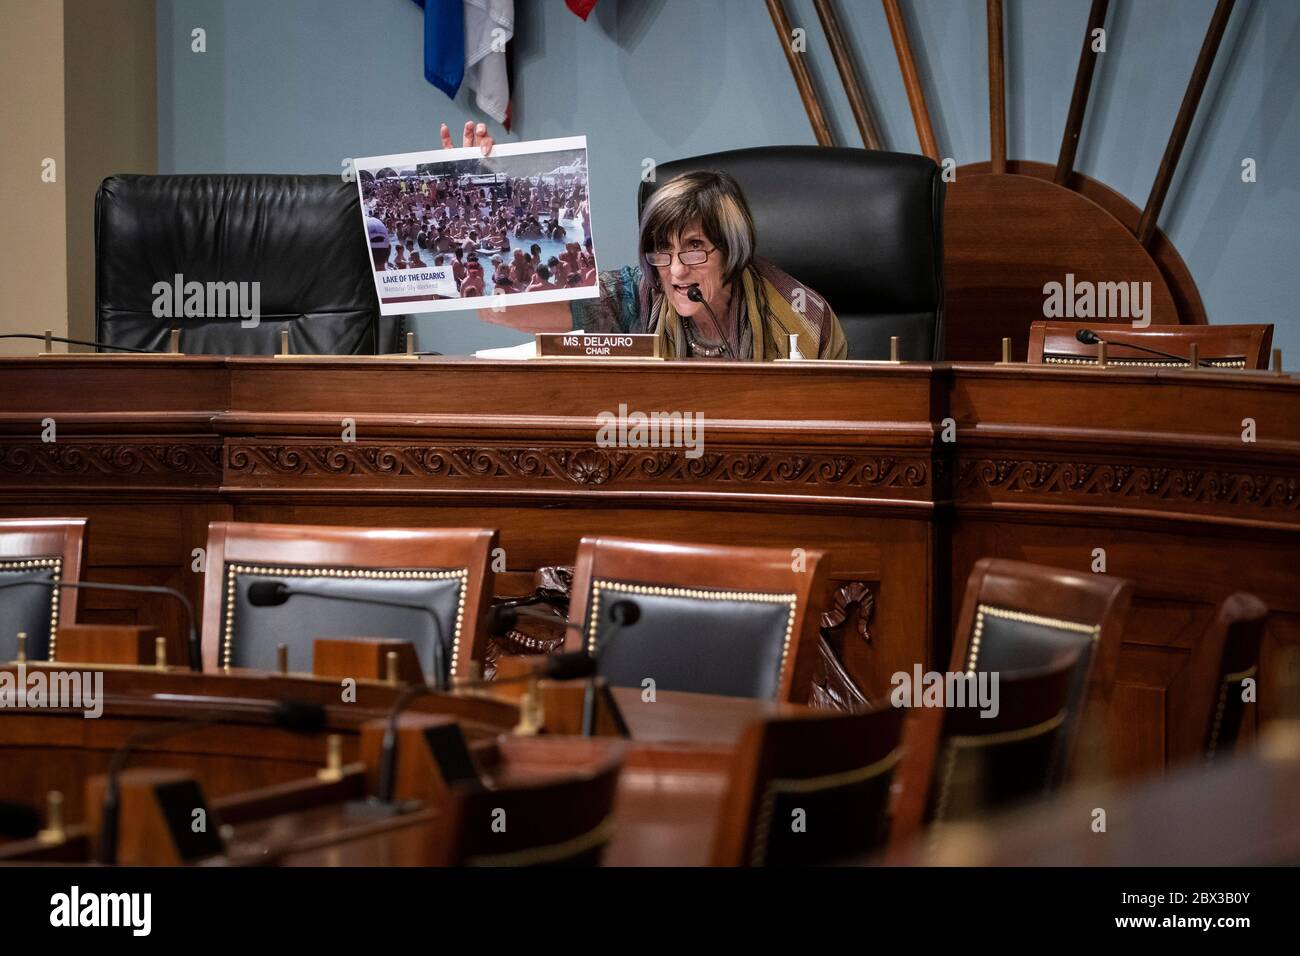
(699, 286)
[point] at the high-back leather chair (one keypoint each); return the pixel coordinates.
(712, 619)
(446, 570)
(862, 228)
(299, 237)
(553, 821)
(46, 549)
(1221, 661)
(809, 790)
(1026, 620)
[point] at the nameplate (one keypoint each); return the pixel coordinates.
(596, 345)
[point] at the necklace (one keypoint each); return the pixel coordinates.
(705, 348)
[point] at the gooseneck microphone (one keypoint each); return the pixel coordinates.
(275, 593)
(301, 717)
(67, 341)
(623, 614)
(695, 295)
(195, 651)
(1089, 337)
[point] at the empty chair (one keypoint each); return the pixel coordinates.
(985, 763)
(709, 619)
(554, 821)
(45, 549)
(445, 571)
(1223, 346)
(1029, 624)
(810, 789)
(1225, 657)
(233, 234)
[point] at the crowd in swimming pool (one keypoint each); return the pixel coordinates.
(515, 225)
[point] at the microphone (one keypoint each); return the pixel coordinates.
(623, 613)
(301, 717)
(196, 653)
(1089, 337)
(694, 294)
(67, 341)
(275, 593)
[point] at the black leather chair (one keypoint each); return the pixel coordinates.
(445, 570)
(835, 770)
(40, 549)
(711, 619)
(986, 763)
(864, 229)
(299, 237)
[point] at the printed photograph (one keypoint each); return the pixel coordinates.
(452, 229)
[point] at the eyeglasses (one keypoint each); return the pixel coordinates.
(691, 257)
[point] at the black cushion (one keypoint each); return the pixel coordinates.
(299, 621)
(706, 645)
(862, 228)
(300, 237)
(1013, 644)
(27, 608)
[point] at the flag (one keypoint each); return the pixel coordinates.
(444, 44)
(466, 41)
(489, 26)
(582, 8)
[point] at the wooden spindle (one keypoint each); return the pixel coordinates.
(843, 58)
(1182, 125)
(802, 78)
(1079, 98)
(282, 658)
(997, 92)
(911, 79)
(1194, 355)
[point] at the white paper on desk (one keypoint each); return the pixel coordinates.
(525, 350)
(418, 208)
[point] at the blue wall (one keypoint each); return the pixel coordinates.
(297, 85)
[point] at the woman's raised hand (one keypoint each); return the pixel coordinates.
(474, 135)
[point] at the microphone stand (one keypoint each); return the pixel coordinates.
(1089, 337)
(67, 341)
(439, 661)
(196, 654)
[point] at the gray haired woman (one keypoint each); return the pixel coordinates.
(699, 286)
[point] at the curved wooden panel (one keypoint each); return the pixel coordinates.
(1006, 237)
(1191, 310)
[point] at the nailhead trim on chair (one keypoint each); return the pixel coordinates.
(830, 781)
(1007, 614)
(593, 616)
(28, 564)
(234, 570)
